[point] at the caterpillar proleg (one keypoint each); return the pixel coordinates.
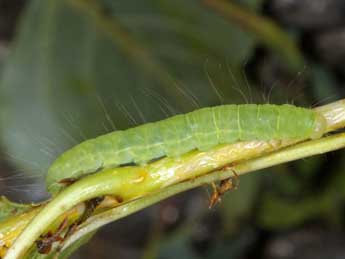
(198, 130)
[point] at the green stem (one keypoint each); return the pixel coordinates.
(83, 190)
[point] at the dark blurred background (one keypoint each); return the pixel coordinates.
(74, 69)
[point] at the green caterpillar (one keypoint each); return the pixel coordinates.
(201, 129)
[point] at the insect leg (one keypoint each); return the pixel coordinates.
(215, 197)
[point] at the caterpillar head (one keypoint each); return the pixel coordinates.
(320, 126)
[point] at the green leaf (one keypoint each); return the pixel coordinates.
(10, 209)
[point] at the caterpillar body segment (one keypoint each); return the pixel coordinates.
(201, 129)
